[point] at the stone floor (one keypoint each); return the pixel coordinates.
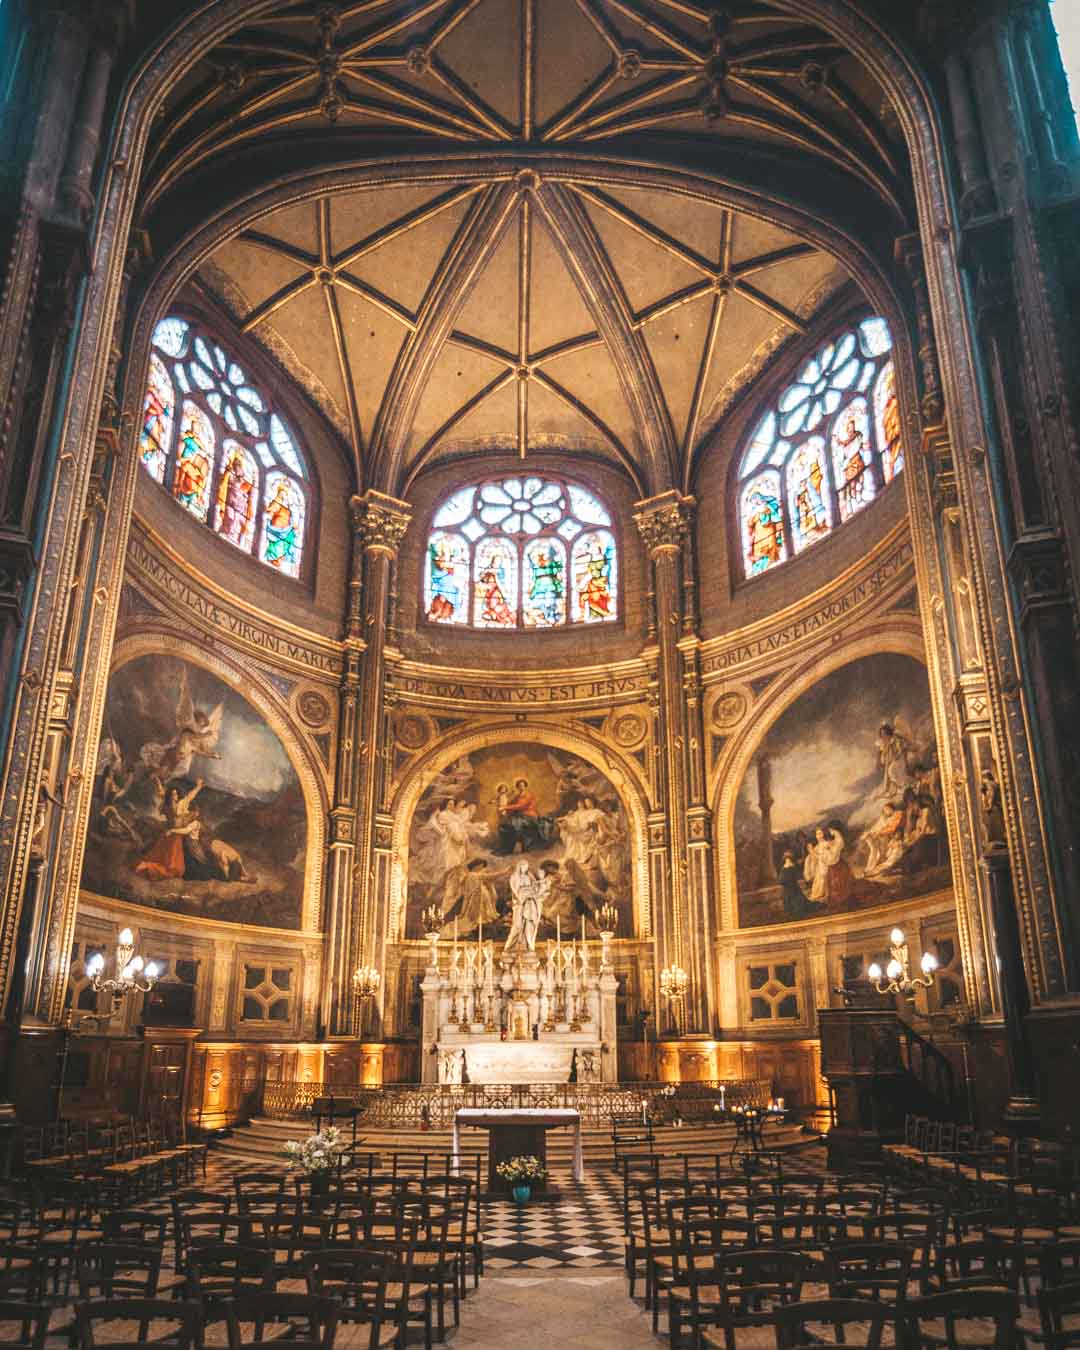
(558, 1311)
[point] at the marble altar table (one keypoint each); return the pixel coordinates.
(518, 1131)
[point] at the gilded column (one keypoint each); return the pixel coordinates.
(380, 523)
(665, 524)
(336, 997)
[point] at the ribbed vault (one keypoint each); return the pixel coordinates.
(536, 309)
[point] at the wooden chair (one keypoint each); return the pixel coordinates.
(23, 1326)
(869, 1270)
(23, 1272)
(1059, 1313)
(963, 1319)
(112, 1270)
(192, 1201)
(836, 1315)
(261, 1193)
(257, 1319)
(370, 1289)
(734, 1291)
(135, 1225)
(222, 1271)
(1059, 1263)
(467, 1233)
(980, 1265)
(183, 1317)
(922, 1230)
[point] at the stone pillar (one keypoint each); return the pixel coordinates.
(684, 925)
(380, 522)
(110, 21)
(336, 1001)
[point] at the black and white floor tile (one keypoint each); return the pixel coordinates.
(582, 1228)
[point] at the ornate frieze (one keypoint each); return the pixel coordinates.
(155, 567)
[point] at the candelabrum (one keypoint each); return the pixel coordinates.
(432, 920)
(674, 983)
(898, 978)
(133, 974)
(365, 982)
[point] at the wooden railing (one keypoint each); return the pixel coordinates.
(433, 1106)
(924, 1061)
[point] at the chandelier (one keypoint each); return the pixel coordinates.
(129, 969)
(898, 978)
(674, 983)
(366, 980)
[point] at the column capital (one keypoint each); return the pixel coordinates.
(380, 521)
(664, 521)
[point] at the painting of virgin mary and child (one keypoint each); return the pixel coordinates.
(840, 808)
(494, 815)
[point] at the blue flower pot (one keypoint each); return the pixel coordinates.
(521, 1193)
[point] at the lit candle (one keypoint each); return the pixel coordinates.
(558, 932)
(583, 930)
(480, 939)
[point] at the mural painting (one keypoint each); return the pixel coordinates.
(840, 809)
(197, 808)
(493, 815)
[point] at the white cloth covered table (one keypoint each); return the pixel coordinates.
(542, 1117)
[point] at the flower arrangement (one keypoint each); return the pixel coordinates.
(316, 1153)
(522, 1170)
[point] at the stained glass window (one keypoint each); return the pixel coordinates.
(495, 583)
(225, 453)
(824, 450)
(283, 524)
(158, 412)
(527, 551)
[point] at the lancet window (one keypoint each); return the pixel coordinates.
(216, 443)
(823, 451)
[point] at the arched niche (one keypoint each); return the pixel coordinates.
(449, 749)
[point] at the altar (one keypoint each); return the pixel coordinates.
(518, 1132)
(526, 1016)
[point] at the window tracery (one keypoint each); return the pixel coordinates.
(213, 440)
(823, 451)
(517, 552)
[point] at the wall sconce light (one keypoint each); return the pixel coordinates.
(897, 974)
(133, 974)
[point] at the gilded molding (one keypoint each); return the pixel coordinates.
(159, 571)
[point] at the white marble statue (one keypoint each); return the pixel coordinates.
(526, 893)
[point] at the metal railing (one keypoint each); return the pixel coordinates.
(410, 1106)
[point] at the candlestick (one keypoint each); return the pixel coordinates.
(583, 930)
(558, 932)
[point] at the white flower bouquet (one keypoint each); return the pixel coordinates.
(522, 1170)
(318, 1152)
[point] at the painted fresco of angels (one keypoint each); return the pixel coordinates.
(197, 735)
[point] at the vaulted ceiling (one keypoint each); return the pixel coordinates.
(532, 306)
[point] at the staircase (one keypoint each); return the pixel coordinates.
(263, 1141)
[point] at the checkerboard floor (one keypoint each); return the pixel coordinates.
(582, 1228)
